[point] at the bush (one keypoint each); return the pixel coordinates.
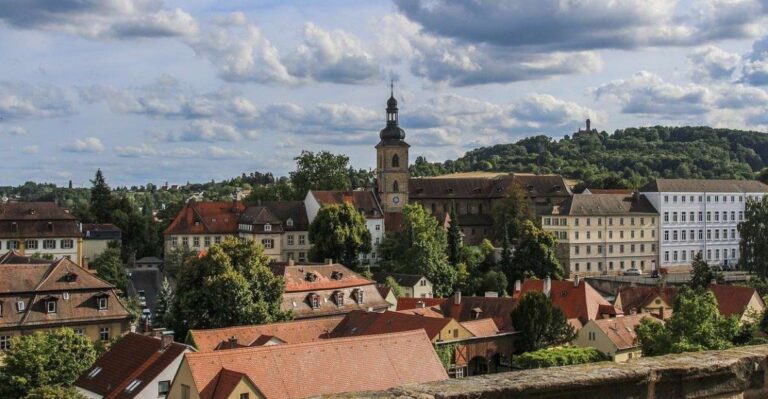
(558, 356)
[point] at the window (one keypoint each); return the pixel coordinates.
(701, 216)
(378, 227)
(244, 396)
(691, 217)
(302, 239)
(196, 242)
(163, 387)
(289, 222)
(20, 306)
(104, 334)
(701, 234)
(709, 234)
(102, 302)
(185, 241)
(674, 216)
(207, 241)
(395, 161)
(268, 243)
(666, 256)
(709, 216)
(50, 306)
(12, 244)
(314, 301)
(359, 296)
(395, 186)
(217, 239)
(30, 244)
(666, 235)
(290, 239)
(267, 227)
(666, 216)
(174, 241)
(79, 331)
(67, 244)
(339, 298)
(5, 342)
(184, 391)
(49, 244)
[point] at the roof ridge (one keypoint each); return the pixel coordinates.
(48, 273)
(248, 326)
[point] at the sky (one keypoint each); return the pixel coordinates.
(176, 91)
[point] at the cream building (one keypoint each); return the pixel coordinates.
(616, 337)
(201, 224)
(604, 233)
(40, 229)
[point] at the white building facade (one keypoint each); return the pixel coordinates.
(700, 216)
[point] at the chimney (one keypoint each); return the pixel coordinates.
(517, 285)
(420, 305)
(232, 341)
(457, 298)
(166, 339)
(576, 281)
(547, 286)
(290, 262)
(328, 261)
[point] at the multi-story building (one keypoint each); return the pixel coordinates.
(96, 239)
(604, 233)
(201, 224)
(365, 202)
(44, 296)
(43, 229)
(700, 216)
(295, 243)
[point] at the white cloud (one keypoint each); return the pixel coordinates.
(86, 145)
(12, 130)
(23, 100)
(713, 63)
(141, 151)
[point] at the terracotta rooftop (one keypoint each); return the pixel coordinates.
(134, 357)
(15, 257)
(633, 299)
(731, 299)
(210, 217)
(482, 327)
(326, 276)
(580, 302)
(404, 303)
(359, 323)
(479, 307)
(320, 368)
(363, 200)
(291, 332)
(621, 330)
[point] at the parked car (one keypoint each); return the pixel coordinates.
(655, 274)
(633, 271)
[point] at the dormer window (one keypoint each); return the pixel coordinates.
(336, 275)
(20, 306)
(50, 306)
(338, 297)
(359, 296)
(50, 227)
(314, 301)
(267, 227)
(289, 222)
(311, 277)
(102, 301)
(14, 227)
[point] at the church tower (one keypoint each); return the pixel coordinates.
(392, 162)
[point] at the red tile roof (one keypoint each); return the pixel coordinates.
(582, 302)
(404, 303)
(479, 307)
(359, 323)
(363, 200)
(482, 327)
(633, 299)
(426, 312)
(134, 357)
(325, 367)
(210, 217)
(621, 330)
(292, 332)
(296, 276)
(731, 299)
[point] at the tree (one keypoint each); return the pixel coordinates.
(753, 231)
(44, 359)
(163, 304)
(560, 356)
(321, 171)
(510, 214)
(101, 199)
(421, 248)
(534, 255)
(230, 285)
(110, 267)
(454, 239)
(339, 232)
(696, 324)
(540, 323)
(701, 274)
(54, 392)
(392, 284)
(763, 176)
(493, 281)
(176, 258)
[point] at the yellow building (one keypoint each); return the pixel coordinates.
(616, 337)
(41, 297)
(604, 233)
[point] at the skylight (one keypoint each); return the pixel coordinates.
(132, 385)
(94, 372)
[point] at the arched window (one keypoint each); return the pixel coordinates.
(395, 186)
(395, 161)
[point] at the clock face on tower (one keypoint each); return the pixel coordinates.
(396, 199)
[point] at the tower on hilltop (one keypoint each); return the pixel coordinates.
(392, 161)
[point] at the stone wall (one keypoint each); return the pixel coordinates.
(734, 373)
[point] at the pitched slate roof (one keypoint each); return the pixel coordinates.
(702, 185)
(580, 302)
(635, 298)
(293, 210)
(134, 357)
(359, 323)
(260, 215)
(36, 220)
(291, 332)
(325, 367)
(487, 186)
(404, 280)
(605, 204)
(363, 200)
(101, 231)
(210, 217)
(621, 330)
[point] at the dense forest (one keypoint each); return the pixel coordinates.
(627, 158)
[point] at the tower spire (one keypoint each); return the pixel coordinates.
(392, 88)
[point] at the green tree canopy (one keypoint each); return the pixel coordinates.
(454, 239)
(44, 359)
(392, 284)
(696, 324)
(510, 215)
(101, 199)
(163, 305)
(540, 323)
(231, 285)
(110, 267)
(754, 237)
(421, 248)
(339, 232)
(558, 356)
(54, 392)
(321, 171)
(702, 274)
(534, 255)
